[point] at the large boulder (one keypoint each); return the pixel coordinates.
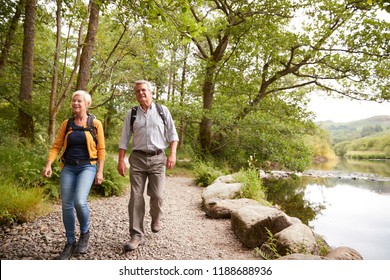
(222, 208)
(298, 238)
(344, 253)
(220, 190)
(268, 228)
(250, 223)
(228, 179)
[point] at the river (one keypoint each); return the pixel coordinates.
(347, 212)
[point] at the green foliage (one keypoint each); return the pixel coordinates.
(24, 192)
(183, 168)
(257, 103)
(383, 4)
(18, 205)
(369, 130)
(270, 251)
(23, 163)
(371, 147)
(205, 173)
(252, 187)
(341, 132)
(320, 144)
(324, 248)
(113, 184)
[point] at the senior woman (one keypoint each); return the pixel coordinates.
(83, 155)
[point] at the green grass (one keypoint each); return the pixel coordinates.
(182, 169)
(18, 205)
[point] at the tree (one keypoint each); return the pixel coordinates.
(10, 36)
(60, 88)
(329, 51)
(26, 122)
(383, 4)
(86, 55)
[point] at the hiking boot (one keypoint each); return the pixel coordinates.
(133, 244)
(156, 226)
(82, 245)
(68, 251)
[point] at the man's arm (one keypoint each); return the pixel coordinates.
(121, 162)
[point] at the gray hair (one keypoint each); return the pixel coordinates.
(87, 97)
(143, 82)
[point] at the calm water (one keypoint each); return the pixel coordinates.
(353, 213)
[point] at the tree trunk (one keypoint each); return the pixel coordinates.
(182, 95)
(26, 122)
(53, 94)
(10, 37)
(208, 96)
(63, 87)
(86, 55)
(173, 73)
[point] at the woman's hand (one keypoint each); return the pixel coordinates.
(47, 171)
(99, 178)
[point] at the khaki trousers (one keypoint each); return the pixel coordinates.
(146, 171)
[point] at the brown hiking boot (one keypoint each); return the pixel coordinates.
(156, 226)
(133, 244)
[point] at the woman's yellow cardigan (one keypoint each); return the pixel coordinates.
(96, 151)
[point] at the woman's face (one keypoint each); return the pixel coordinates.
(79, 105)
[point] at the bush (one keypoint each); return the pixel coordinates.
(252, 186)
(205, 173)
(113, 183)
(19, 205)
(24, 193)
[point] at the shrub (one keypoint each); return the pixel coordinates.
(205, 173)
(19, 205)
(113, 183)
(252, 186)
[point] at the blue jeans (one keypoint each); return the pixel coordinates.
(76, 182)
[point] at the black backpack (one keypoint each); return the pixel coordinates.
(90, 127)
(134, 115)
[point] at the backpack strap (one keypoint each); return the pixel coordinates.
(68, 124)
(161, 113)
(90, 127)
(134, 115)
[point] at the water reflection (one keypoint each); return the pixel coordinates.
(289, 194)
(354, 215)
(377, 167)
(347, 212)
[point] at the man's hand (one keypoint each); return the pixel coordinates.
(122, 168)
(171, 161)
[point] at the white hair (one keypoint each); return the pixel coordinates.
(144, 82)
(87, 97)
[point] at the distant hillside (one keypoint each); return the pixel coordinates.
(348, 131)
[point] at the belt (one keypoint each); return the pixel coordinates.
(77, 162)
(148, 153)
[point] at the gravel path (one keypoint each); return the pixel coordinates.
(187, 233)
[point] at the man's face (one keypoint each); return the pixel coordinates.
(143, 94)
